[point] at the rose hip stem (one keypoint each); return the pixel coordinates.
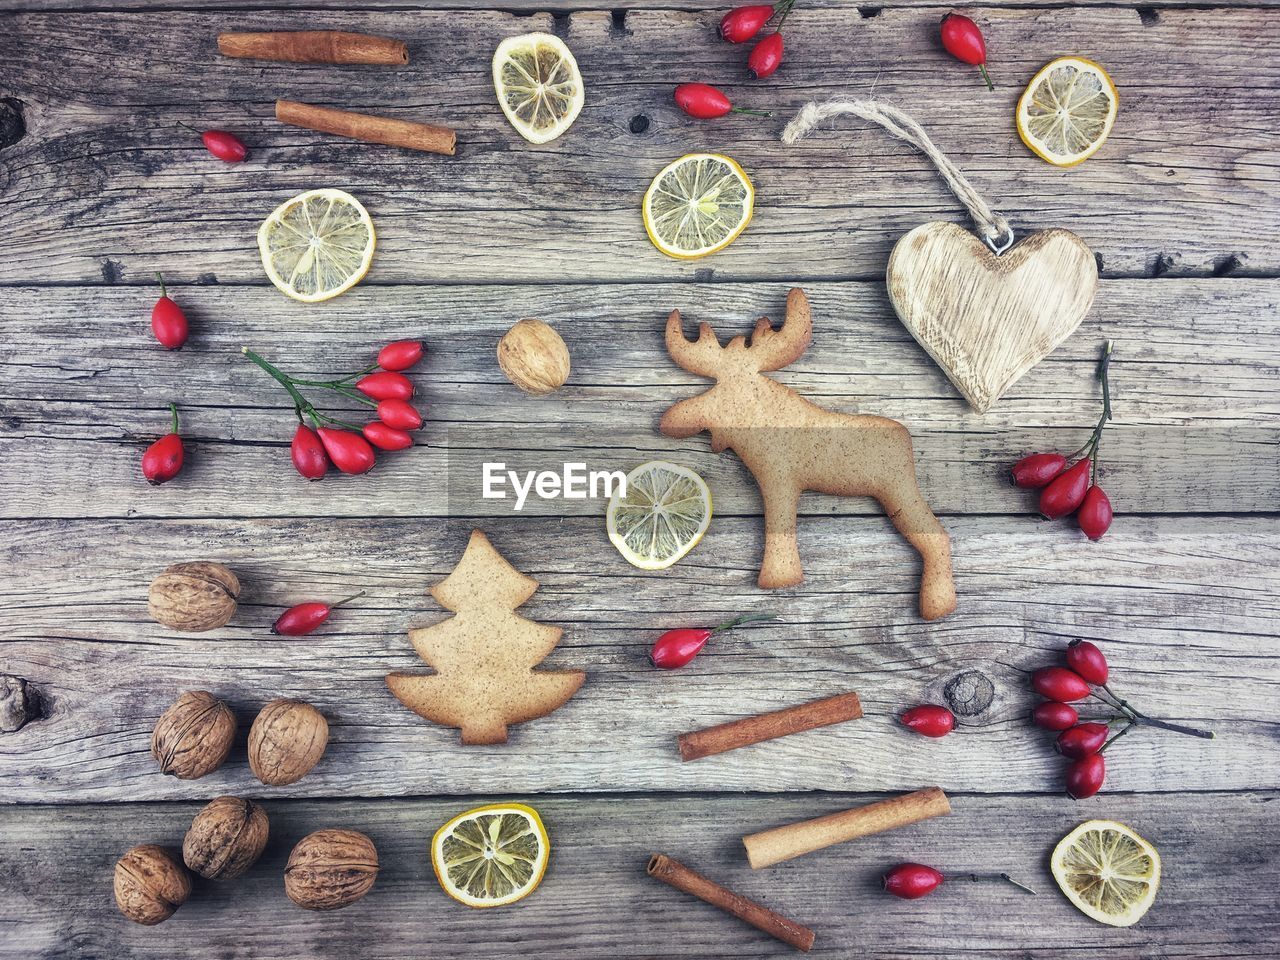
(1091, 445)
(301, 404)
(1134, 716)
(979, 877)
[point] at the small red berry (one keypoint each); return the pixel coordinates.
(675, 648)
(399, 414)
(1037, 470)
(308, 455)
(386, 385)
(349, 451)
(911, 881)
(300, 620)
(1095, 513)
(1067, 490)
(766, 56)
(224, 146)
(385, 437)
(1082, 740)
(1087, 660)
(168, 322)
(930, 720)
(1085, 776)
(1053, 715)
(400, 355)
(963, 40)
(163, 459)
(742, 23)
(1059, 683)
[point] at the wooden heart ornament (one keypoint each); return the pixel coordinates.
(987, 319)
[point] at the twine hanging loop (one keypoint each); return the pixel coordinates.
(992, 226)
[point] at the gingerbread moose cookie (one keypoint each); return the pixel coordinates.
(791, 445)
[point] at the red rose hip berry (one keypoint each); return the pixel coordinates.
(1087, 660)
(930, 720)
(168, 322)
(1085, 776)
(163, 459)
(1053, 715)
(1059, 683)
(400, 355)
(911, 881)
(1037, 470)
(349, 451)
(307, 453)
(1095, 514)
(1066, 492)
(1082, 740)
(742, 23)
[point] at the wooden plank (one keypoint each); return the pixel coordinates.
(1182, 604)
(1186, 185)
(528, 7)
(1220, 852)
(1194, 371)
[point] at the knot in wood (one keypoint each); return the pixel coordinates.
(969, 693)
(13, 127)
(19, 703)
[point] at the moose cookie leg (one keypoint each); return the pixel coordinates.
(781, 564)
(916, 522)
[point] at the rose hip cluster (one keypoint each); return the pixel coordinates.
(1073, 489)
(741, 24)
(1084, 742)
(350, 448)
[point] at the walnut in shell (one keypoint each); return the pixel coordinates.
(194, 597)
(194, 736)
(533, 357)
(150, 884)
(286, 740)
(226, 838)
(330, 868)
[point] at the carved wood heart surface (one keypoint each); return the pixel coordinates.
(987, 320)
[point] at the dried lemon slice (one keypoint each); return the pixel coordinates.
(698, 205)
(317, 245)
(1067, 111)
(538, 85)
(491, 856)
(1108, 871)
(666, 511)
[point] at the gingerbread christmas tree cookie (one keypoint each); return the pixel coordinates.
(484, 656)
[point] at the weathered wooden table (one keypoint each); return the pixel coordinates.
(100, 186)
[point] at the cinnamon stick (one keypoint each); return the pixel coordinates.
(362, 126)
(691, 882)
(768, 847)
(314, 46)
(769, 726)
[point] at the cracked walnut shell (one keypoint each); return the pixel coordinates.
(226, 838)
(534, 357)
(194, 597)
(194, 736)
(150, 884)
(330, 869)
(286, 740)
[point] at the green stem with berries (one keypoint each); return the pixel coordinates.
(301, 404)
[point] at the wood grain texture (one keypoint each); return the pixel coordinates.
(564, 7)
(1187, 183)
(1183, 605)
(985, 319)
(1197, 424)
(1216, 898)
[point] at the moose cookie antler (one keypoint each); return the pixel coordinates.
(791, 445)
